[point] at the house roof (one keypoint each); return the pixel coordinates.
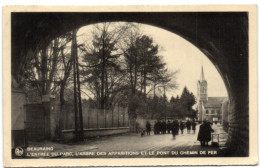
(214, 102)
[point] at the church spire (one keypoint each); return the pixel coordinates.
(202, 78)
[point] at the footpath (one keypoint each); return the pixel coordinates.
(131, 142)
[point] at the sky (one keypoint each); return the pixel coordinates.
(179, 54)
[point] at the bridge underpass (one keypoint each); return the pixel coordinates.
(222, 37)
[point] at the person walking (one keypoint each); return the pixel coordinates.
(204, 135)
(164, 127)
(159, 127)
(188, 125)
(193, 126)
(181, 127)
(177, 127)
(168, 126)
(174, 129)
(155, 128)
(148, 128)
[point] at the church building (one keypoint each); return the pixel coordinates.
(209, 108)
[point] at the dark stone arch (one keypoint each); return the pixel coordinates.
(222, 37)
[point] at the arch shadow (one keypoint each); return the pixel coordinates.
(221, 36)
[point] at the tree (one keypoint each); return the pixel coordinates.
(103, 73)
(65, 65)
(121, 64)
(173, 100)
(187, 100)
(145, 68)
(194, 113)
(41, 69)
(154, 106)
(150, 64)
(49, 71)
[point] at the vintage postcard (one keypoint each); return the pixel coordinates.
(130, 85)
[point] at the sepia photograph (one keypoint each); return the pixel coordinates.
(153, 83)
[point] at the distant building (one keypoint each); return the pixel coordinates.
(209, 108)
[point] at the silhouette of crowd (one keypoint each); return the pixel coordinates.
(161, 127)
(174, 126)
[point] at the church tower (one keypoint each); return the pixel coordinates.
(202, 87)
(202, 94)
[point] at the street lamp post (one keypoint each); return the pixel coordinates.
(165, 106)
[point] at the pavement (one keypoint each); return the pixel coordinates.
(133, 145)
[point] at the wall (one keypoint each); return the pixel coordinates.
(90, 133)
(238, 128)
(42, 119)
(96, 118)
(17, 117)
(35, 122)
(96, 122)
(210, 116)
(17, 112)
(224, 110)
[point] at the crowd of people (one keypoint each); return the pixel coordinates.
(161, 127)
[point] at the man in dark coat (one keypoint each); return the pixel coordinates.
(164, 127)
(168, 126)
(159, 127)
(177, 126)
(204, 135)
(188, 125)
(174, 129)
(155, 128)
(193, 126)
(148, 128)
(181, 127)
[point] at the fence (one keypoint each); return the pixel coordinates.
(97, 118)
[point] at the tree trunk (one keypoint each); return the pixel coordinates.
(106, 102)
(53, 67)
(81, 137)
(112, 111)
(44, 69)
(144, 83)
(62, 109)
(131, 72)
(73, 52)
(103, 74)
(135, 76)
(67, 70)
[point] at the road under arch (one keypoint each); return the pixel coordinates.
(222, 37)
